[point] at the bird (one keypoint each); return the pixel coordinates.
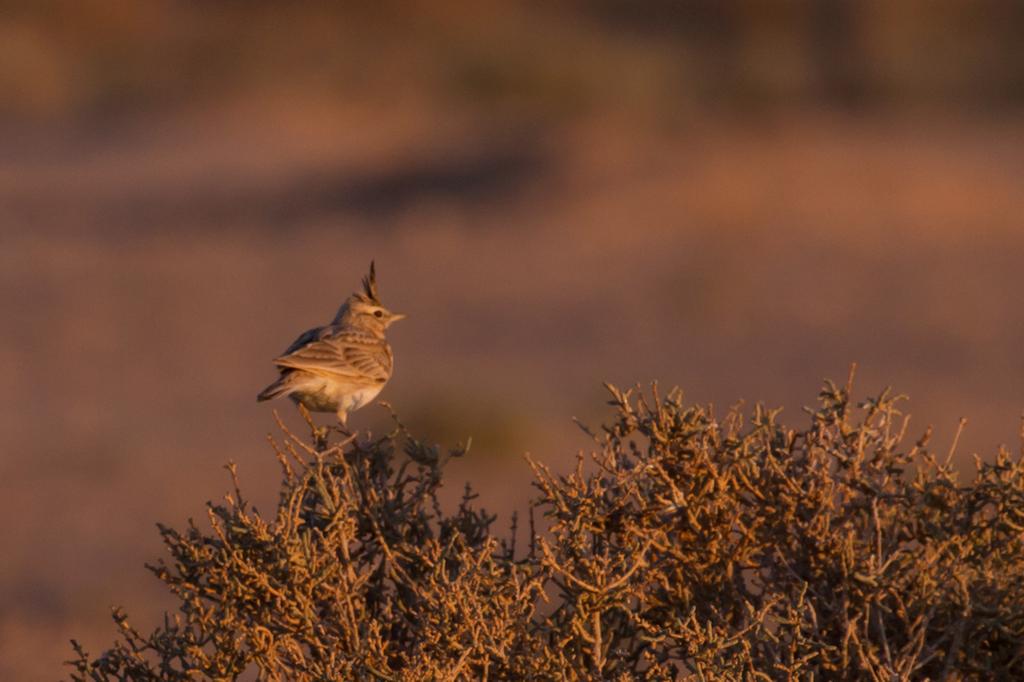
(344, 365)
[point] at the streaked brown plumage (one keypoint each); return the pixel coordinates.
(344, 365)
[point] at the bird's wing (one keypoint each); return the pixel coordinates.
(305, 338)
(344, 355)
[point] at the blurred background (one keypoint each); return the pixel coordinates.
(737, 197)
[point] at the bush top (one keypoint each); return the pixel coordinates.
(683, 546)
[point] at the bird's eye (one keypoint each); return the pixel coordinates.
(378, 313)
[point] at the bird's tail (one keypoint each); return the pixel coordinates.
(274, 390)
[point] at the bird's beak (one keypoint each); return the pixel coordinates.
(395, 317)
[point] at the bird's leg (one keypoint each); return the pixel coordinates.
(343, 420)
(320, 438)
(319, 433)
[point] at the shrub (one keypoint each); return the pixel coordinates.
(684, 547)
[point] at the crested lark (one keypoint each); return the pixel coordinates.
(344, 365)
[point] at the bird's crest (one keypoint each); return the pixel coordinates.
(370, 286)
